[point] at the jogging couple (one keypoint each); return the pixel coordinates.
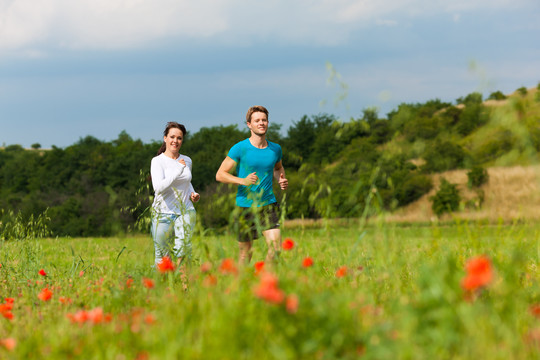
(253, 164)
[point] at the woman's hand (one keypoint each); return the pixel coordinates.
(181, 161)
(195, 197)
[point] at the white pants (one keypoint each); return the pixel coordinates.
(166, 227)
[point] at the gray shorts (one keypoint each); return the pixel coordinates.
(251, 222)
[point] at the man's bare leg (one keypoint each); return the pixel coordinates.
(273, 240)
(245, 252)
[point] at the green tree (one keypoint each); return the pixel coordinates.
(412, 187)
(443, 156)
(446, 199)
(497, 95)
(472, 98)
(472, 117)
(477, 176)
(522, 91)
(302, 135)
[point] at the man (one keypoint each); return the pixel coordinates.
(257, 162)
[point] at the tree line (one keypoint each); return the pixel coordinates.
(335, 168)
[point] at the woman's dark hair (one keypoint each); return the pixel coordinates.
(171, 125)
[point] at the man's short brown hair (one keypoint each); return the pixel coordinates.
(254, 109)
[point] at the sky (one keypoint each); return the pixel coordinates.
(71, 69)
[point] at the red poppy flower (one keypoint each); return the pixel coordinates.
(479, 273)
(307, 262)
(228, 267)
(533, 337)
(268, 289)
(259, 266)
(149, 319)
(288, 244)
(206, 267)
(165, 265)
(97, 316)
(42, 272)
(5, 309)
(142, 356)
(9, 343)
(8, 315)
(535, 310)
(148, 283)
(291, 304)
(65, 300)
(80, 317)
(210, 280)
(341, 272)
(94, 316)
(129, 282)
(45, 294)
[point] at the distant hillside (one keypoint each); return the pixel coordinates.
(512, 193)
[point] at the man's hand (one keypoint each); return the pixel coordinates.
(195, 197)
(283, 183)
(251, 179)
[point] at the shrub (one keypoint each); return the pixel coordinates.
(497, 95)
(476, 202)
(446, 199)
(443, 156)
(472, 98)
(494, 145)
(522, 91)
(472, 117)
(413, 188)
(477, 177)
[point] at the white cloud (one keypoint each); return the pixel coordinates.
(105, 23)
(30, 25)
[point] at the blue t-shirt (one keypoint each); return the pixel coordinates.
(250, 159)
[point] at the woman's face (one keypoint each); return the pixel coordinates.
(173, 140)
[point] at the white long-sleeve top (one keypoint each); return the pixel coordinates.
(172, 184)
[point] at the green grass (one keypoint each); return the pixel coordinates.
(400, 299)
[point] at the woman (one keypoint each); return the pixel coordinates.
(173, 213)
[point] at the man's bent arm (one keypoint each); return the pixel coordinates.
(279, 175)
(224, 175)
(278, 170)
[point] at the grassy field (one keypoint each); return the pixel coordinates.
(383, 292)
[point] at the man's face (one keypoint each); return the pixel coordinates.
(259, 123)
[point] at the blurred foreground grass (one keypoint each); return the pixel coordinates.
(384, 292)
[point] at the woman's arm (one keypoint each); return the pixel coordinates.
(160, 182)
